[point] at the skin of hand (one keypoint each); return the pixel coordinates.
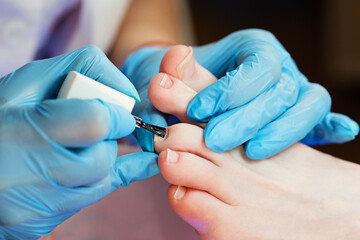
(59, 155)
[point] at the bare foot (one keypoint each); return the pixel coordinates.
(297, 194)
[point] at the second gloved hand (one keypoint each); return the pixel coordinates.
(59, 155)
(261, 98)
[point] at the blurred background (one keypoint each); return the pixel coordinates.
(323, 38)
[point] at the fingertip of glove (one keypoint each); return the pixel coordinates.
(121, 122)
(199, 110)
(146, 139)
(354, 128)
(349, 133)
(256, 151)
(129, 89)
(192, 112)
(136, 96)
(344, 128)
(212, 143)
(143, 165)
(214, 147)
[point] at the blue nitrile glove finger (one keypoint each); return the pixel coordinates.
(262, 110)
(42, 79)
(140, 67)
(20, 234)
(91, 164)
(52, 178)
(36, 172)
(56, 155)
(90, 121)
(312, 106)
(247, 63)
(78, 197)
(82, 195)
(149, 114)
(258, 67)
(133, 167)
(334, 128)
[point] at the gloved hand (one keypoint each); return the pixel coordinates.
(59, 155)
(250, 102)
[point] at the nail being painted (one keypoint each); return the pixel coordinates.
(160, 131)
(79, 86)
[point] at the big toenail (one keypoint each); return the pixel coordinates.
(166, 82)
(179, 193)
(180, 68)
(158, 139)
(171, 156)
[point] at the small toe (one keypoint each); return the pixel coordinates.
(190, 170)
(198, 208)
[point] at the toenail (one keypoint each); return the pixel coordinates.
(171, 156)
(179, 193)
(166, 82)
(159, 139)
(181, 66)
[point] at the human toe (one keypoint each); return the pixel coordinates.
(190, 170)
(179, 62)
(186, 138)
(201, 210)
(170, 95)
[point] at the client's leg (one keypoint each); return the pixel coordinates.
(298, 194)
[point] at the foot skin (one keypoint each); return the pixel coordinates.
(297, 194)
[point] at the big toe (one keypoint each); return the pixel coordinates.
(179, 62)
(179, 80)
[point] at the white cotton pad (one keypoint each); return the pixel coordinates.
(77, 85)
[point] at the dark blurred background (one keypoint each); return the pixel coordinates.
(323, 38)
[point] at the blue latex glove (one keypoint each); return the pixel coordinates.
(140, 67)
(59, 155)
(261, 98)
